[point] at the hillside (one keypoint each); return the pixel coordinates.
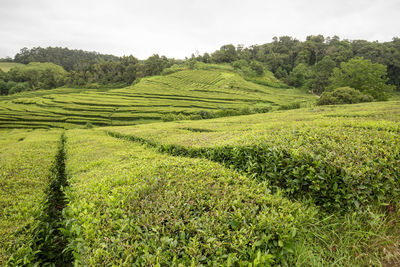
(6, 66)
(213, 91)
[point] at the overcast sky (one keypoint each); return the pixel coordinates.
(178, 28)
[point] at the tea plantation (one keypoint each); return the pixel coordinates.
(175, 177)
(186, 94)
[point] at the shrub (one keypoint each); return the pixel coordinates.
(289, 106)
(89, 125)
(93, 86)
(343, 95)
(19, 87)
(145, 209)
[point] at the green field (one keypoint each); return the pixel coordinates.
(6, 66)
(26, 159)
(140, 176)
(314, 186)
(335, 143)
(190, 94)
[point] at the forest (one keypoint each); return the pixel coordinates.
(319, 64)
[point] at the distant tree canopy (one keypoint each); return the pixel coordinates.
(310, 63)
(32, 76)
(39, 75)
(317, 64)
(363, 75)
(67, 58)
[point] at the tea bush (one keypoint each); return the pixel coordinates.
(132, 206)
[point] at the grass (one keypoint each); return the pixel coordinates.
(185, 94)
(6, 66)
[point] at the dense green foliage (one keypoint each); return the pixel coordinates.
(33, 76)
(39, 75)
(67, 58)
(291, 154)
(285, 53)
(343, 95)
(307, 64)
(172, 211)
(26, 158)
(119, 73)
(92, 69)
(363, 75)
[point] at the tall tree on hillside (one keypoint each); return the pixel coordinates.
(363, 75)
(226, 54)
(320, 75)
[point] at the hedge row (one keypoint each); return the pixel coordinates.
(133, 206)
(302, 175)
(27, 166)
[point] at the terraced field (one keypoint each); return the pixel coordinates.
(192, 93)
(309, 187)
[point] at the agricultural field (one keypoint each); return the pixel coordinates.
(26, 164)
(336, 144)
(187, 94)
(315, 186)
(6, 66)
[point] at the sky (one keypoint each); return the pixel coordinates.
(178, 28)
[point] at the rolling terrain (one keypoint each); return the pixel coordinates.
(152, 182)
(187, 94)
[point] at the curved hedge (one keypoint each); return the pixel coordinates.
(132, 206)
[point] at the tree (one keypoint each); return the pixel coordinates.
(39, 75)
(363, 75)
(299, 75)
(3, 88)
(257, 67)
(320, 75)
(154, 65)
(227, 53)
(19, 87)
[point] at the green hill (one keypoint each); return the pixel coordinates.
(187, 94)
(6, 66)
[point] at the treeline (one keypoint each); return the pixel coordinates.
(93, 69)
(69, 59)
(309, 64)
(313, 60)
(33, 76)
(53, 67)
(119, 73)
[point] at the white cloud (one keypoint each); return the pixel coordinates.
(177, 28)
